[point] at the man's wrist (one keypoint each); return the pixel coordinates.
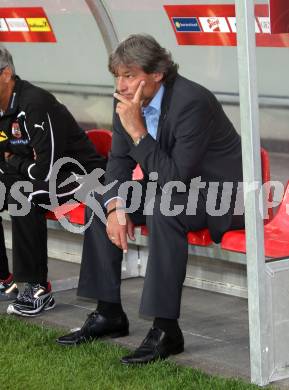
(115, 202)
(112, 210)
(139, 138)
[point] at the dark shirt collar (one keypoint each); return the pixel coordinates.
(14, 99)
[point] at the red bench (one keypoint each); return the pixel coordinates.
(276, 230)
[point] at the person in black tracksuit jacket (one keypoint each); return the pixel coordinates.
(35, 131)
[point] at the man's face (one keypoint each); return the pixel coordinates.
(3, 84)
(128, 78)
(6, 86)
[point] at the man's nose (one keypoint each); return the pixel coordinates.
(121, 85)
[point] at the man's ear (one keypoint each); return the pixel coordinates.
(7, 73)
(158, 77)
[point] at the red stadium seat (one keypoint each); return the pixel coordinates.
(137, 173)
(201, 237)
(101, 138)
(266, 177)
(276, 233)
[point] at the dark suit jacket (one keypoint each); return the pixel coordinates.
(194, 138)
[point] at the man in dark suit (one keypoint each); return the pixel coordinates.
(176, 128)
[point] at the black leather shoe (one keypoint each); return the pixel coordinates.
(157, 345)
(97, 326)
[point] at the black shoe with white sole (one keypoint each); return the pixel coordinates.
(34, 299)
(8, 289)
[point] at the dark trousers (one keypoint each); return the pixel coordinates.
(29, 233)
(29, 246)
(100, 275)
(4, 268)
(7, 180)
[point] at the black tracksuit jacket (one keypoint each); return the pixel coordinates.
(38, 130)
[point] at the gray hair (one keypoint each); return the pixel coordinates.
(6, 59)
(144, 51)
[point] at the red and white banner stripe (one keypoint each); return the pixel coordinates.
(215, 25)
(25, 25)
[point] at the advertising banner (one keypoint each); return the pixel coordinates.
(279, 16)
(25, 25)
(215, 25)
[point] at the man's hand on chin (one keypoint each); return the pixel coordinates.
(130, 114)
